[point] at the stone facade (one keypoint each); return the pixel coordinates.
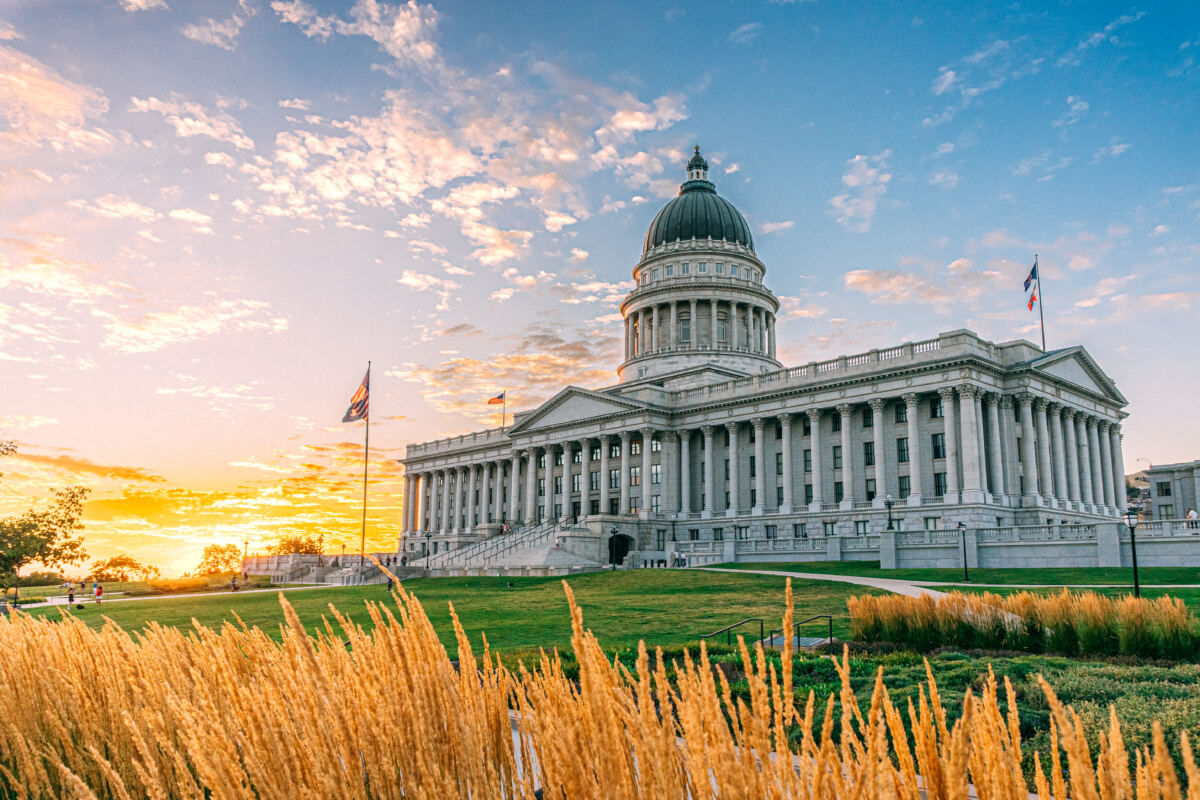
(706, 438)
(1174, 489)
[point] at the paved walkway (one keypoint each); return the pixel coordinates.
(894, 585)
(89, 600)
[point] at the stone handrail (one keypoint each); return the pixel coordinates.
(1036, 533)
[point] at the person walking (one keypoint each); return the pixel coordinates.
(404, 561)
(99, 593)
(71, 595)
(389, 584)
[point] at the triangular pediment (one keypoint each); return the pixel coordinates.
(1076, 367)
(573, 405)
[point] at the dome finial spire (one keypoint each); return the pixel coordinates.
(697, 168)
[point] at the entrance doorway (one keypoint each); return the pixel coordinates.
(619, 547)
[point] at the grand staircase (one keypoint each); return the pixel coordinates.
(530, 545)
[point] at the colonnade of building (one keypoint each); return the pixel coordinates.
(731, 324)
(958, 445)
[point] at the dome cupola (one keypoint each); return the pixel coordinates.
(698, 213)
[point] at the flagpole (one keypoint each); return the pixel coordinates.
(504, 409)
(1041, 301)
(362, 553)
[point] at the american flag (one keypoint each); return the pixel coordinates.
(359, 402)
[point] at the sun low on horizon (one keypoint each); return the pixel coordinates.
(217, 212)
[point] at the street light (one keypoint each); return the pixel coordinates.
(612, 548)
(962, 531)
(1131, 521)
(321, 550)
(428, 552)
(889, 502)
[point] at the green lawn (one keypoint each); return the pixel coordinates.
(663, 607)
(1051, 576)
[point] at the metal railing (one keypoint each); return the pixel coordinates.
(728, 630)
(796, 627)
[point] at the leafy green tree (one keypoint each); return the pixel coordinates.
(122, 568)
(219, 558)
(289, 545)
(43, 536)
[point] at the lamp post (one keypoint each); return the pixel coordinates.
(962, 532)
(428, 552)
(889, 502)
(1131, 521)
(246, 550)
(321, 550)
(612, 548)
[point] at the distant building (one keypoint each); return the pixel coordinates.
(1174, 488)
(708, 438)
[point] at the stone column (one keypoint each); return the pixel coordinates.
(1028, 450)
(1008, 430)
(848, 493)
(550, 494)
(734, 484)
(668, 460)
(1043, 450)
(693, 326)
(1097, 470)
(433, 522)
(624, 477)
(408, 496)
(881, 468)
(498, 493)
(760, 466)
(647, 435)
(818, 476)
(995, 464)
(445, 506)
(471, 498)
(514, 483)
(785, 426)
(1118, 466)
(712, 306)
(655, 339)
(585, 478)
(568, 452)
(1070, 454)
(972, 476)
(530, 514)
(456, 505)
(709, 491)
(1106, 471)
(605, 489)
(950, 417)
(485, 483)
(980, 450)
(1085, 459)
(673, 334)
(912, 404)
(685, 471)
(1057, 452)
(771, 331)
(733, 325)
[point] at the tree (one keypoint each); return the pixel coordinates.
(122, 568)
(218, 558)
(43, 536)
(288, 545)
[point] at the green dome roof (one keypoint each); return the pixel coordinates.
(698, 212)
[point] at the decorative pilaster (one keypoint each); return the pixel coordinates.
(818, 474)
(712, 307)
(685, 471)
(950, 417)
(846, 411)
(707, 430)
(912, 403)
(785, 427)
(760, 467)
(551, 495)
(880, 441)
(530, 513)
(735, 497)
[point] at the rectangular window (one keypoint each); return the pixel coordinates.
(614, 479)
(752, 432)
(685, 268)
(799, 530)
(935, 408)
(720, 268)
(635, 447)
(614, 450)
(1166, 511)
(655, 445)
(901, 413)
(868, 454)
(902, 486)
(558, 484)
(808, 493)
(939, 484)
(902, 450)
(541, 461)
(660, 538)
(594, 482)
(837, 456)
(868, 418)
(727, 469)
(778, 496)
(753, 496)
(577, 455)
(558, 459)
(753, 468)
(830, 528)
(733, 271)
(685, 330)
(931, 523)
(702, 267)
(721, 329)
(635, 504)
(541, 487)
(575, 483)
(836, 422)
(808, 460)
(870, 489)
(938, 441)
(741, 532)
(655, 504)
(772, 531)
(1162, 488)
(693, 534)
(718, 534)
(779, 463)
(837, 492)
(806, 425)
(594, 455)
(860, 527)
(655, 474)
(635, 476)
(655, 277)
(669, 270)
(778, 432)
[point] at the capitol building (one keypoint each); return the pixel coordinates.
(707, 448)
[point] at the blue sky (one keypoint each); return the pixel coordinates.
(218, 211)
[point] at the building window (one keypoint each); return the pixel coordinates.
(779, 463)
(752, 434)
(939, 484)
(902, 450)
(808, 460)
(594, 482)
(541, 512)
(721, 328)
(741, 532)
(635, 504)
(655, 275)
(693, 534)
(668, 270)
(837, 491)
(806, 425)
(558, 484)
(1162, 489)
(868, 454)
(660, 539)
(685, 268)
(1166, 511)
(655, 504)
(685, 330)
(614, 450)
(931, 523)
(594, 453)
(720, 268)
(808, 493)
(860, 527)
(635, 476)
(753, 468)
(541, 461)
(702, 267)
(778, 432)
(655, 444)
(778, 496)
(799, 530)
(939, 445)
(558, 459)
(575, 482)
(541, 487)
(935, 408)
(870, 489)
(772, 532)
(718, 534)
(635, 447)
(753, 496)
(901, 412)
(837, 456)
(614, 479)
(836, 422)
(655, 474)
(727, 469)
(830, 528)
(868, 418)
(902, 484)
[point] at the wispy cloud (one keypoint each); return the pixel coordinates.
(221, 33)
(865, 180)
(193, 119)
(745, 34)
(155, 330)
(1106, 34)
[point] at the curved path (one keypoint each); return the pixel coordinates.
(894, 585)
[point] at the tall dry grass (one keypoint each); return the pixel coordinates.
(1073, 623)
(341, 713)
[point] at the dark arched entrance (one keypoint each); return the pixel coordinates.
(619, 547)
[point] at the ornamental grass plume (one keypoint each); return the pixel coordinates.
(342, 712)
